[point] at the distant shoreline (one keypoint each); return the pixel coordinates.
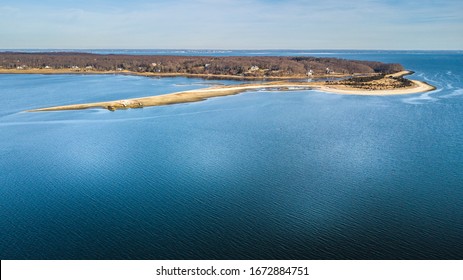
(282, 73)
(216, 91)
(217, 67)
(161, 75)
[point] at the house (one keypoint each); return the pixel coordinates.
(89, 67)
(254, 68)
(310, 72)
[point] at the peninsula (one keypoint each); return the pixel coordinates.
(281, 73)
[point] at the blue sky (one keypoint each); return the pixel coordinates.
(232, 24)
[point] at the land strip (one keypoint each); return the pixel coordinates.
(227, 67)
(339, 75)
(411, 86)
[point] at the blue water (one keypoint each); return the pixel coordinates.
(260, 175)
(205, 52)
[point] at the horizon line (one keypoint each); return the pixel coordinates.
(220, 49)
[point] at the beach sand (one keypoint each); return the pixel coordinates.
(417, 87)
(216, 91)
(202, 94)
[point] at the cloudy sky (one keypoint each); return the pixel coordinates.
(232, 24)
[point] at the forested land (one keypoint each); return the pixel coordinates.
(266, 66)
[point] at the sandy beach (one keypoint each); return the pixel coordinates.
(174, 98)
(383, 88)
(417, 87)
(216, 91)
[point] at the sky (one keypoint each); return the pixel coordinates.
(232, 24)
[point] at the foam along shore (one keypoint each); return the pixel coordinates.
(203, 94)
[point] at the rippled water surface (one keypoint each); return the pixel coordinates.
(260, 175)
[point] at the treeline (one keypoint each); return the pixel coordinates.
(355, 80)
(403, 82)
(375, 82)
(230, 65)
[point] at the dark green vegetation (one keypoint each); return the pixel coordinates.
(375, 82)
(269, 66)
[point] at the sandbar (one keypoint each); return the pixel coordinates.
(216, 91)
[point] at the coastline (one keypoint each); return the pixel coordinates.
(216, 67)
(216, 91)
(417, 87)
(151, 74)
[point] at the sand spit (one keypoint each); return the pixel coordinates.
(216, 91)
(177, 97)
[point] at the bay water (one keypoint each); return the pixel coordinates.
(259, 175)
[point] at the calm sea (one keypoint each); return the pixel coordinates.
(260, 175)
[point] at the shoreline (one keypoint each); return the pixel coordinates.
(218, 67)
(38, 71)
(217, 91)
(417, 87)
